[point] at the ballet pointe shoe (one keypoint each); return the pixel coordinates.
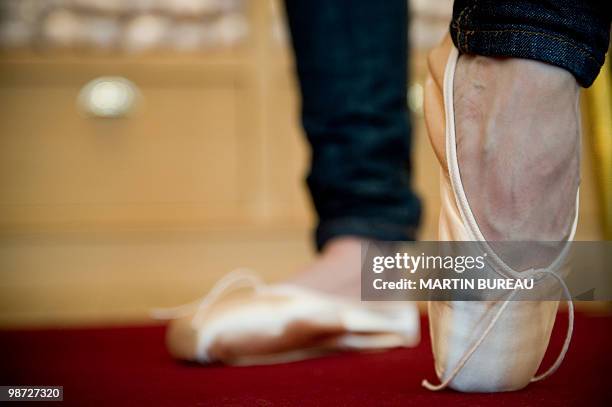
(243, 321)
(481, 346)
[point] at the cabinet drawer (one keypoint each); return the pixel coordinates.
(176, 159)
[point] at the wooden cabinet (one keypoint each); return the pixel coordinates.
(102, 219)
(176, 159)
(213, 141)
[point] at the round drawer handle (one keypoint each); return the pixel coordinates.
(109, 97)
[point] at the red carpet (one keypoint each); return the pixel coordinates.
(129, 367)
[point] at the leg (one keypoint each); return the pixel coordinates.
(352, 65)
(352, 68)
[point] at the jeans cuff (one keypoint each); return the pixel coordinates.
(375, 229)
(527, 42)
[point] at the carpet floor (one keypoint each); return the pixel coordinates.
(129, 366)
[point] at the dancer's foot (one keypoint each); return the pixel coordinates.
(500, 171)
(316, 312)
(336, 271)
(518, 143)
(518, 147)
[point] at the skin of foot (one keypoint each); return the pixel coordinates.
(337, 269)
(517, 130)
(518, 145)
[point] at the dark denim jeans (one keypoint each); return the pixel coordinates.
(351, 60)
(571, 34)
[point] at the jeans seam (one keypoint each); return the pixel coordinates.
(465, 13)
(546, 35)
(465, 36)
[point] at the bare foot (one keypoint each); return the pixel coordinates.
(518, 144)
(337, 270)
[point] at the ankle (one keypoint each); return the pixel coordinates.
(518, 144)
